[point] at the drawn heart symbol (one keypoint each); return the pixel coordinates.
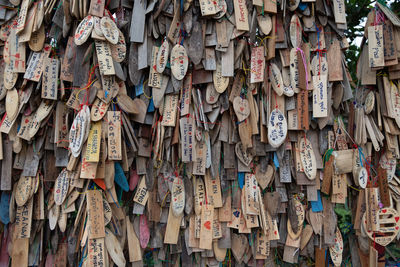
(384, 211)
(207, 225)
(397, 218)
(236, 213)
(241, 107)
(26, 120)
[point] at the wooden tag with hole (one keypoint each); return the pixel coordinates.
(307, 158)
(61, 187)
(162, 56)
(213, 189)
(96, 250)
(93, 143)
(179, 61)
(220, 82)
(142, 193)
(302, 110)
(109, 29)
(372, 209)
(241, 15)
(23, 220)
(114, 135)
(375, 46)
(97, 8)
(257, 64)
(207, 7)
(95, 214)
(388, 226)
(320, 96)
(154, 76)
(277, 128)
(170, 109)
(84, 30)
(104, 57)
(334, 58)
(207, 217)
(50, 78)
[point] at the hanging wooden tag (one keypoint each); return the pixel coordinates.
(207, 7)
(21, 22)
(390, 46)
(187, 139)
(220, 82)
(328, 173)
(104, 57)
(388, 220)
(320, 96)
(67, 66)
(213, 189)
(77, 131)
(276, 79)
(373, 257)
(257, 64)
(199, 164)
(95, 214)
(295, 31)
(186, 94)
(319, 65)
(142, 193)
(336, 250)
(118, 50)
(383, 187)
(371, 213)
(251, 194)
(83, 30)
(241, 15)
(114, 248)
(50, 78)
(12, 104)
(241, 107)
(178, 196)
(262, 244)
(23, 220)
(61, 187)
(307, 158)
(20, 251)
(302, 109)
(207, 216)
(133, 243)
(93, 143)
(375, 46)
(109, 29)
(212, 95)
(114, 135)
(96, 250)
(172, 230)
(264, 178)
(179, 61)
(24, 188)
(277, 128)
(169, 110)
(244, 155)
(199, 194)
(97, 8)
(339, 11)
(334, 58)
(294, 70)
(99, 109)
(265, 23)
(162, 56)
(25, 35)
